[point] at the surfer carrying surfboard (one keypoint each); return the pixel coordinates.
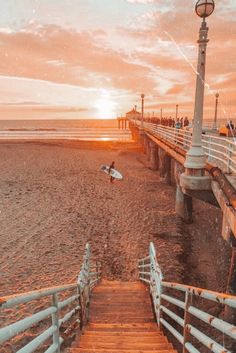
(111, 171)
(112, 166)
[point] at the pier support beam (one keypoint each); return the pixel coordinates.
(183, 202)
(161, 156)
(167, 168)
(148, 149)
(226, 230)
(153, 156)
(145, 144)
(183, 205)
(134, 132)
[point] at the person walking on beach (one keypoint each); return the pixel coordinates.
(112, 166)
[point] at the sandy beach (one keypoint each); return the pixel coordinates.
(54, 199)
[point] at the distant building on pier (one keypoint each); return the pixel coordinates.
(133, 114)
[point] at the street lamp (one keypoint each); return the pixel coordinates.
(195, 158)
(216, 110)
(176, 111)
(204, 8)
(142, 97)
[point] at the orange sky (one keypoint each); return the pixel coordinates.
(98, 56)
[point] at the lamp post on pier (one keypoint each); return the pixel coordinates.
(142, 98)
(176, 111)
(216, 111)
(195, 158)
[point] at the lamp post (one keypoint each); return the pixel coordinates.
(195, 158)
(216, 110)
(142, 97)
(176, 111)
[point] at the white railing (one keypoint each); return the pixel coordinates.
(178, 309)
(73, 306)
(220, 151)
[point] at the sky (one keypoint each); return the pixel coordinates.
(96, 57)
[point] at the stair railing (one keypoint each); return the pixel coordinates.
(72, 307)
(175, 310)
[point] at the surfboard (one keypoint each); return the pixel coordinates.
(113, 172)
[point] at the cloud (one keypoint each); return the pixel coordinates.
(53, 54)
(152, 49)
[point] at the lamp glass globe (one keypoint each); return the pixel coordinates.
(204, 8)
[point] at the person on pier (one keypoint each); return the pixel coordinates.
(230, 125)
(186, 121)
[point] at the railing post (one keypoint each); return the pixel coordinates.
(184, 139)
(209, 149)
(155, 281)
(153, 289)
(186, 321)
(229, 158)
(84, 287)
(55, 322)
(159, 304)
(175, 141)
(81, 310)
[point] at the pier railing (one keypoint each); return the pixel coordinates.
(65, 313)
(180, 309)
(220, 151)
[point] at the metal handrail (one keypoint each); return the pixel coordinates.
(76, 303)
(219, 150)
(166, 306)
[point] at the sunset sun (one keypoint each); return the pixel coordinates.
(105, 106)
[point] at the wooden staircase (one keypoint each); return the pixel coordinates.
(121, 321)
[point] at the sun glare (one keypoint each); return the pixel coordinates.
(105, 106)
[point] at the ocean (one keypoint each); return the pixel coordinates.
(71, 129)
(83, 129)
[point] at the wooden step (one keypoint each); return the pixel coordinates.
(123, 309)
(125, 345)
(78, 350)
(122, 333)
(121, 321)
(122, 338)
(123, 327)
(120, 285)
